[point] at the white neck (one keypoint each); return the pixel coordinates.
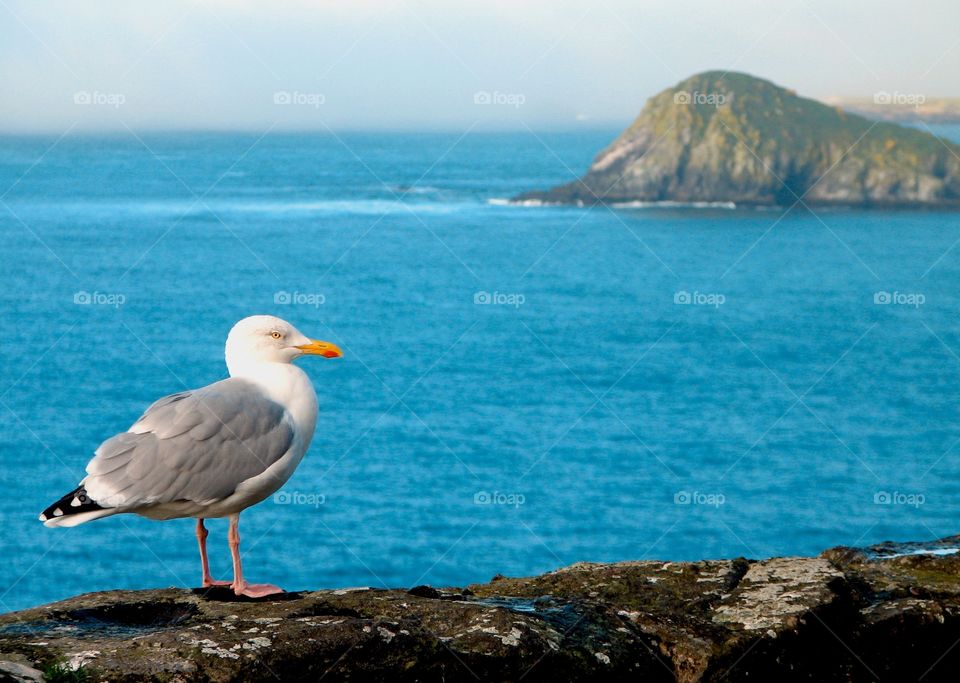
(289, 386)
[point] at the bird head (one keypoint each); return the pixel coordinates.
(268, 339)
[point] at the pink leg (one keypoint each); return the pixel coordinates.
(240, 586)
(204, 565)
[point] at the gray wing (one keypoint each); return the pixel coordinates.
(192, 446)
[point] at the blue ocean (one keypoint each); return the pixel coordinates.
(523, 387)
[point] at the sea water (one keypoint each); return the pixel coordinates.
(522, 387)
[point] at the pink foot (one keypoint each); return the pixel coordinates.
(257, 590)
(208, 583)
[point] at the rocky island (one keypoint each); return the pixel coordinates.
(732, 138)
(888, 612)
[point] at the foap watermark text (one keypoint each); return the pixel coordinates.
(915, 299)
(714, 99)
(285, 298)
(499, 498)
(508, 99)
(299, 498)
(909, 99)
(709, 499)
(499, 299)
(84, 298)
(910, 499)
(99, 99)
(295, 97)
(685, 298)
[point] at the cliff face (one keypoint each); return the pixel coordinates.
(730, 137)
(848, 615)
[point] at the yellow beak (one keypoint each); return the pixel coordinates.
(321, 348)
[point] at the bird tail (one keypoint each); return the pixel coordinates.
(74, 508)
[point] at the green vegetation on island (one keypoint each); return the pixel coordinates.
(731, 137)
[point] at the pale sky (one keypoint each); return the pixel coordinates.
(420, 64)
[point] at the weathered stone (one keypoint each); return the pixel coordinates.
(889, 612)
(775, 593)
(14, 670)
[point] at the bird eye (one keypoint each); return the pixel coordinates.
(275, 334)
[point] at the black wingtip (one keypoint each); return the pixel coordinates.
(73, 503)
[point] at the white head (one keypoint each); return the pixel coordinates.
(267, 339)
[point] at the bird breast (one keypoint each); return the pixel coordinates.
(289, 386)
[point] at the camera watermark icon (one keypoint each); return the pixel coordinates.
(915, 299)
(897, 98)
(299, 498)
(899, 498)
(685, 298)
(509, 99)
(100, 99)
(284, 298)
(714, 99)
(499, 299)
(699, 498)
(84, 298)
(295, 97)
(498, 498)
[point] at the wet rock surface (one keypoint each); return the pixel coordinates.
(890, 612)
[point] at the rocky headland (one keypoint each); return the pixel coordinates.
(732, 138)
(889, 612)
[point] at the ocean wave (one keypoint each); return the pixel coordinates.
(191, 208)
(923, 551)
(505, 201)
(415, 189)
(336, 206)
(637, 204)
(667, 204)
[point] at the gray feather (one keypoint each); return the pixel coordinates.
(193, 446)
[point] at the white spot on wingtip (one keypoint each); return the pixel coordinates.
(57, 512)
(75, 503)
(42, 517)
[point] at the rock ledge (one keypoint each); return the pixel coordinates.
(890, 612)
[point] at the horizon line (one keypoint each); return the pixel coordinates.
(74, 131)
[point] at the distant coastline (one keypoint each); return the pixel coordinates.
(899, 107)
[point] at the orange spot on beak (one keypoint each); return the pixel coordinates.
(321, 348)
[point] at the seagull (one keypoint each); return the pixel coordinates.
(210, 452)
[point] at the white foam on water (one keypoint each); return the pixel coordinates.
(667, 204)
(923, 551)
(415, 189)
(503, 201)
(673, 204)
